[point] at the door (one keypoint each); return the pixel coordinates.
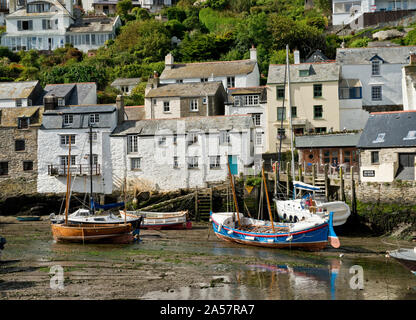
(49, 43)
(406, 169)
(233, 164)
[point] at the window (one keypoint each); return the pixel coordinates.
(135, 163)
(175, 138)
(192, 162)
(192, 138)
(259, 138)
(256, 119)
(65, 139)
(94, 118)
(251, 100)
(204, 100)
(225, 137)
(347, 156)
(326, 156)
(230, 82)
(214, 162)
(317, 112)
(19, 145)
(204, 79)
(18, 102)
(94, 159)
(350, 93)
(24, 25)
(411, 135)
(320, 129)
(317, 90)
(281, 133)
(38, 7)
(68, 119)
(281, 113)
(380, 138)
(280, 92)
(166, 106)
(63, 160)
(22, 123)
(61, 102)
(375, 67)
(303, 73)
(294, 112)
(376, 94)
(46, 24)
(374, 157)
(193, 105)
(162, 141)
(4, 168)
(179, 81)
(27, 165)
(94, 136)
(132, 144)
(175, 162)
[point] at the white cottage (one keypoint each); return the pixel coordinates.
(371, 81)
(20, 94)
(61, 124)
(251, 101)
(181, 153)
(232, 74)
(50, 24)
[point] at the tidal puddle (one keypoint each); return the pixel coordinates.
(336, 280)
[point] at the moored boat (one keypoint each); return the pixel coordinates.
(406, 257)
(161, 220)
(312, 234)
(28, 218)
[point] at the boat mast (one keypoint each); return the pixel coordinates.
(68, 181)
(234, 194)
(267, 198)
(91, 160)
(290, 117)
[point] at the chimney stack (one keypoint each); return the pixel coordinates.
(296, 56)
(120, 109)
(155, 82)
(412, 60)
(168, 61)
(253, 53)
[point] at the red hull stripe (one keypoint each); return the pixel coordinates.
(274, 235)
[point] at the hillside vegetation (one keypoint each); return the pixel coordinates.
(211, 30)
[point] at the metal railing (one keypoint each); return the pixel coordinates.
(75, 169)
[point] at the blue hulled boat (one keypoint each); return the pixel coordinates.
(311, 234)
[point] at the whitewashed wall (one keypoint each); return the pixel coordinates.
(157, 161)
(175, 108)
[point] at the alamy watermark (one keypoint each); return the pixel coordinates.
(357, 280)
(57, 280)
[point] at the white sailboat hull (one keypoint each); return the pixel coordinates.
(292, 210)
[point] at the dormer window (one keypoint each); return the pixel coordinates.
(375, 67)
(411, 135)
(304, 73)
(38, 7)
(68, 119)
(22, 123)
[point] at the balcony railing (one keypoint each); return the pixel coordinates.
(75, 169)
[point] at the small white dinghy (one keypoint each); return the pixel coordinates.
(161, 220)
(406, 257)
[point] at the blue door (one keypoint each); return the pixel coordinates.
(233, 164)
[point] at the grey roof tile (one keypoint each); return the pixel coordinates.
(397, 55)
(319, 72)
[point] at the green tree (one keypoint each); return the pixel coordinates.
(217, 4)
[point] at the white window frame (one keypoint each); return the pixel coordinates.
(193, 105)
(192, 162)
(376, 93)
(161, 141)
(231, 82)
(94, 118)
(64, 139)
(192, 138)
(135, 164)
(259, 138)
(63, 160)
(256, 119)
(166, 106)
(215, 162)
(68, 119)
(132, 143)
(375, 67)
(225, 137)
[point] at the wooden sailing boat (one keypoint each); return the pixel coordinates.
(312, 234)
(102, 233)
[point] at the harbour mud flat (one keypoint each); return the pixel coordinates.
(194, 264)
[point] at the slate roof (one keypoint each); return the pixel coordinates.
(125, 82)
(319, 72)
(208, 69)
(78, 91)
(55, 6)
(195, 89)
(99, 108)
(328, 140)
(149, 127)
(261, 91)
(134, 112)
(389, 130)
(16, 90)
(398, 55)
(9, 116)
(93, 24)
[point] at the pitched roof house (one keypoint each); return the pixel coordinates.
(388, 147)
(20, 94)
